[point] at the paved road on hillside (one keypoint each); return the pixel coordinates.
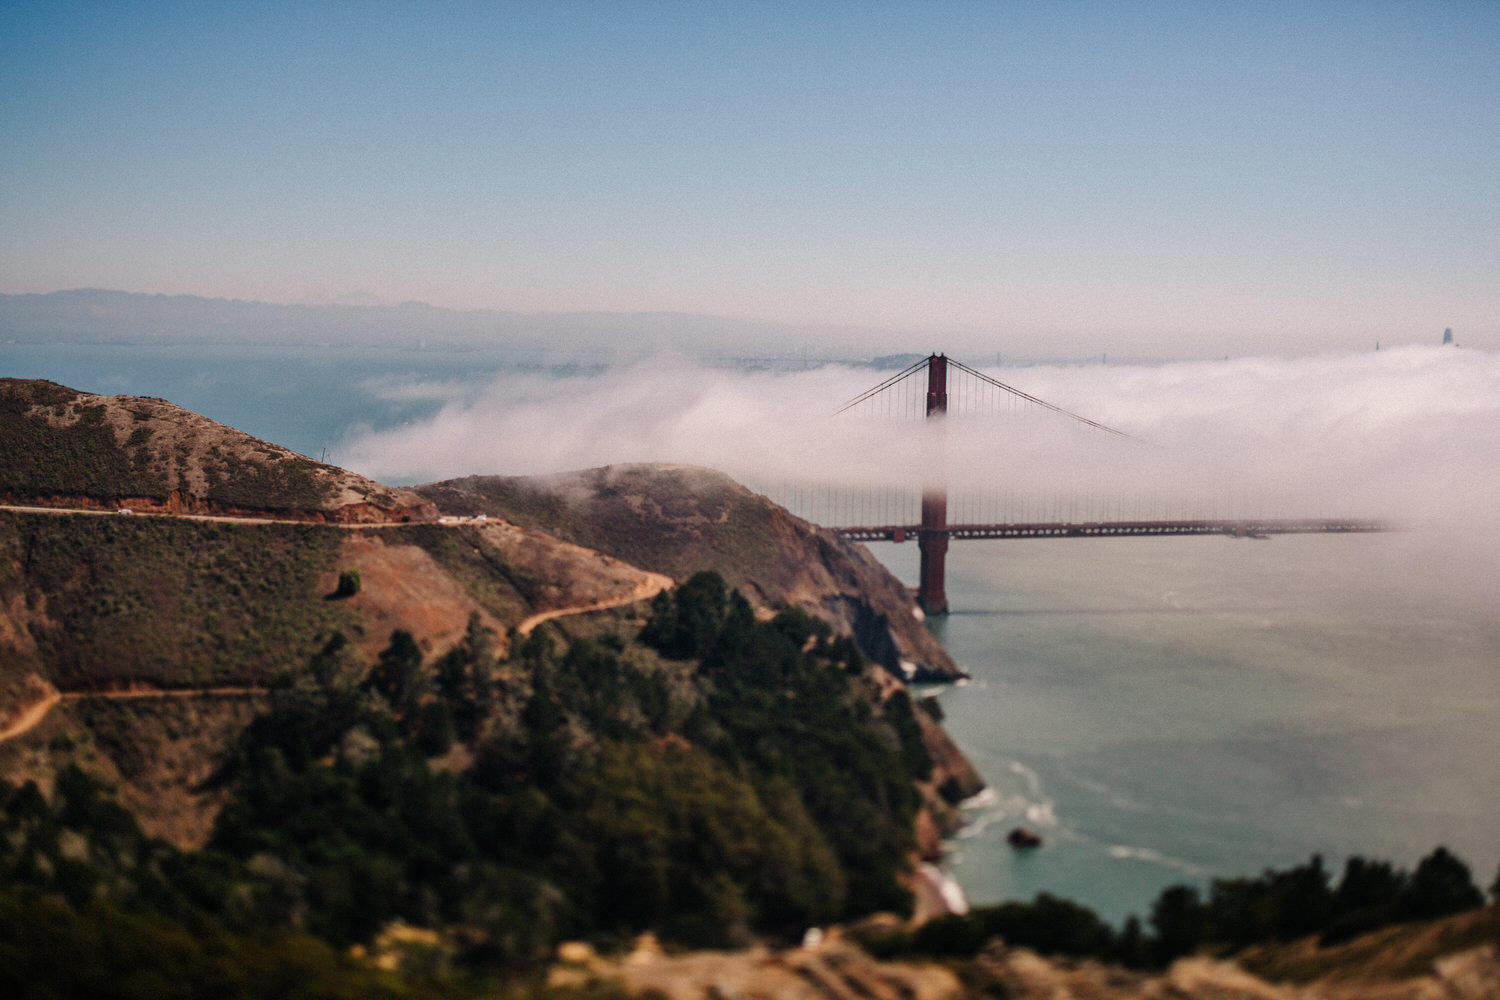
(226, 519)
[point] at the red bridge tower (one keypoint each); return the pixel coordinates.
(932, 540)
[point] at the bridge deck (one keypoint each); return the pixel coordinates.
(1251, 528)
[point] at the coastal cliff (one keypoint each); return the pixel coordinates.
(630, 703)
(679, 520)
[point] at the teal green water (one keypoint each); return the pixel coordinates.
(1168, 710)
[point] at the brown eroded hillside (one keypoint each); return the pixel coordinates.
(140, 647)
(62, 447)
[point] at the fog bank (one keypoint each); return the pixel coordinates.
(1411, 433)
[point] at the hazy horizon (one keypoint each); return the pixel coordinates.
(112, 316)
(1166, 180)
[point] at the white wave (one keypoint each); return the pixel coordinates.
(1041, 814)
(977, 826)
(985, 798)
(1009, 802)
(947, 887)
(1152, 856)
(1031, 778)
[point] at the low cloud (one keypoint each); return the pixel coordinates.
(1408, 433)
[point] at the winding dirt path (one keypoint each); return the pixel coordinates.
(225, 518)
(32, 715)
(648, 588)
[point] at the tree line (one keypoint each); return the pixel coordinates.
(1277, 906)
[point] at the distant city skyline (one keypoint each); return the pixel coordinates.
(1165, 179)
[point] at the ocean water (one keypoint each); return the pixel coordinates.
(1169, 710)
(1160, 710)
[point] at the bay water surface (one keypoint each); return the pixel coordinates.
(1170, 710)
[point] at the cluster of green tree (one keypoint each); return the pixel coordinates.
(50, 949)
(1278, 906)
(777, 711)
(723, 778)
(609, 792)
(1298, 902)
(91, 906)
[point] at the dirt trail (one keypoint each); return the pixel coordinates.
(648, 588)
(34, 713)
(127, 694)
(31, 716)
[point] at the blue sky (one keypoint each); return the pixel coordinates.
(1181, 179)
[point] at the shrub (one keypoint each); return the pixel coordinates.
(349, 583)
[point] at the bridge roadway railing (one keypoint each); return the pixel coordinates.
(1241, 528)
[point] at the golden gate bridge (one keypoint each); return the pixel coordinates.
(925, 390)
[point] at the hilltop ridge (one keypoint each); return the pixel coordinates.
(63, 447)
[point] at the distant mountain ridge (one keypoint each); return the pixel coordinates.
(112, 317)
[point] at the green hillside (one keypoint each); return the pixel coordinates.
(167, 602)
